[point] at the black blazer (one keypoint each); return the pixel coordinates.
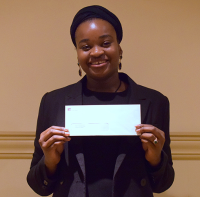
(133, 177)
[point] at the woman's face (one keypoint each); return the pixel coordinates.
(98, 50)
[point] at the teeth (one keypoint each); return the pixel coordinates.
(100, 62)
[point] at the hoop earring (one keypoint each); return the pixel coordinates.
(120, 64)
(79, 71)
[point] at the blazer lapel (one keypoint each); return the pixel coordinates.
(135, 97)
(138, 97)
(74, 97)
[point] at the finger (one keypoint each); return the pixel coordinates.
(54, 131)
(154, 142)
(144, 128)
(58, 145)
(142, 125)
(57, 128)
(53, 139)
(149, 146)
(148, 136)
(146, 144)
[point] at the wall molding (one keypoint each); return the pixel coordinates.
(19, 145)
(185, 145)
(16, 145)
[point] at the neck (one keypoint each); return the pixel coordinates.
(110, 84)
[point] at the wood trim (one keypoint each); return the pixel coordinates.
(185, 146)
(16, 145)
(19, 145)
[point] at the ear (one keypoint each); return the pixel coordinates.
(120, 51)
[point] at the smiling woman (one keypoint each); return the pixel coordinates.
(101, 166)
(98, 54)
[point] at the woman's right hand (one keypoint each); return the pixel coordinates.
(52, 143)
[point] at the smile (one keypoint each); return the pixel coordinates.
(98, 63)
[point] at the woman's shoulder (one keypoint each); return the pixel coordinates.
(68, 91)
(149, 92)
(143, 92)
(156, 98)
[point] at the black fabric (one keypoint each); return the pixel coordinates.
(132, 177)
(100, 152)
(100, 155)
(95, 11)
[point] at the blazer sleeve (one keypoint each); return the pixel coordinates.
(37, 177)
(162, 177)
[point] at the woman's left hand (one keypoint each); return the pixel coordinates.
(153, 140)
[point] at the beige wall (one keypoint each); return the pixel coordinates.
(161, 48)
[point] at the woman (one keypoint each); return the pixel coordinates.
(101, 166)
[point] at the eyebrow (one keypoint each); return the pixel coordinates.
(84, 40)
(103, 36)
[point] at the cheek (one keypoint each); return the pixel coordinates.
(82, 57)
(114, 53)
(83, 61)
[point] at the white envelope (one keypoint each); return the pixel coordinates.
(98, 120)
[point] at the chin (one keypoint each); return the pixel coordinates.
(101, 75)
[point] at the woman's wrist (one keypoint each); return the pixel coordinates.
(155, 162)
(50, 169)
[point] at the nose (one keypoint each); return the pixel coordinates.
(97, 51)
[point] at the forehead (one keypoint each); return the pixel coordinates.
(94, 27)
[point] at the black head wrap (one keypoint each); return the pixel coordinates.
(95, 11)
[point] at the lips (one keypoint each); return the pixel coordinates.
(98, 63)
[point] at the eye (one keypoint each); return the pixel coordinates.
(85, 47)
(106, 44)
